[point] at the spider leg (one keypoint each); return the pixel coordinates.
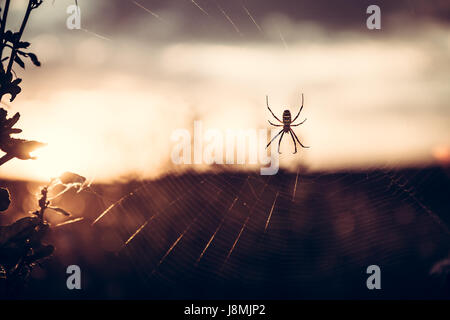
(267, 102)
(295, 125)
(298, 110)
(275, 125)
(274, 138)
(297, 139)
(295, 144)
(279, 142)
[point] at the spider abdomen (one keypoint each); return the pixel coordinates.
(286, 119)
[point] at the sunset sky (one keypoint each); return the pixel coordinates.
(108, 97)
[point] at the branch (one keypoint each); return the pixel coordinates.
(5, 159)
(2, 28)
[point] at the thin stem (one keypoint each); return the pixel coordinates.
(2, 28)
(43, 204)
(3, 40)
(5, 159)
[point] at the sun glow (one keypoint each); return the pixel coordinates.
(93, 134)
(54, 159)
(110, 123)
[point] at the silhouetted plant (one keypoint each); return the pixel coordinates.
(14, 148)
(21, 245)
(9, 82)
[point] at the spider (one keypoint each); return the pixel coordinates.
(286, 124)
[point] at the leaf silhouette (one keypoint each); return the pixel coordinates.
(20, 148)
(20, 243)
(9, 86)
(23, 45)
(18, 231)
(14, 89)
(12, 121)
(6, 126)
(5, 199)
(34, 59)
(9, 36)
(19, 61)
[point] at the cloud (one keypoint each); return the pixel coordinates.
(192, 22)
(370, 98)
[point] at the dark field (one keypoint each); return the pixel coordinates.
(215, 235)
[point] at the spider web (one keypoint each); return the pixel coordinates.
(231, 234)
